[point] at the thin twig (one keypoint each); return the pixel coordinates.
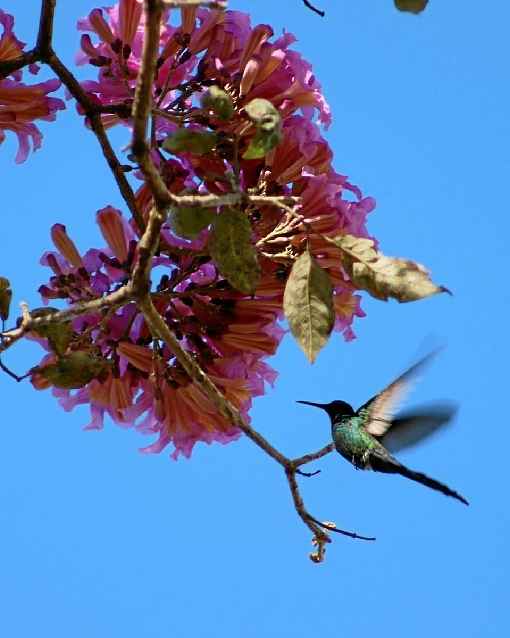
(301, 510)
(160, 329)
(116, 168)
(314, 9)
(114, 299)
(12, 374)
(307, 474)
(182, 4)
(166, 199)
(92, 112)
(313, 456)
(331, 527)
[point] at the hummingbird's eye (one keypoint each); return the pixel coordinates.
(281, 274)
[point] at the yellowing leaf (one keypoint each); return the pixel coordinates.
(5, 298)
(411, 6)
(73, 371)
(384, 277)
(267, 122)
(187, 222)
(308, 305)
(218, 101)
(186, 140)
(231, 248)
(59, 334)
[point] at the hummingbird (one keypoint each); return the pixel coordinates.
(367, 436)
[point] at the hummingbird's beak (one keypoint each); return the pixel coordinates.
(324, 406)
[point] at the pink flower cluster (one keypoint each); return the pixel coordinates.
(227, 332)
(21, 104)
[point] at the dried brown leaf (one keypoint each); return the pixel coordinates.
(384, 277)
(5, 298)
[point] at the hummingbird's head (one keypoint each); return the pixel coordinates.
(335, 408)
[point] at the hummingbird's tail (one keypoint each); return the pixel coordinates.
(390, 465)
(430, 482)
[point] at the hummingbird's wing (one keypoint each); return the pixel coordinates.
(411, 427)
(379, 411)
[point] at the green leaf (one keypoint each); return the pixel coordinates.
(384, 277)
(411, 6)
(190, 141)
(262, 113)
(308, 305)
(59, 334)
(260, 145)
(268, 132)
(188, 222)
(5, 298)
(74, 370)
(218, 101)
(231, 248)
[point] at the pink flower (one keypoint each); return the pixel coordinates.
(302, 148)
(10, 47)
(225, 332)
(20, 104)
(223, 43)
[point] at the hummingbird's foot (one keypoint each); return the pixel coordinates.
(307, 474)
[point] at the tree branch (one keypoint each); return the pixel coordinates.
(45, 34)
(319, 536)
(92, 111)
(29, 323)
(160, 330)
(138, 287)
(125, 189)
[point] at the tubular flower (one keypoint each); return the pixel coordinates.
(139, 383)
(209, 46)
(21, 104)
(10, 47)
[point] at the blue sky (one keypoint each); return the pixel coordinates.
(98, 540)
